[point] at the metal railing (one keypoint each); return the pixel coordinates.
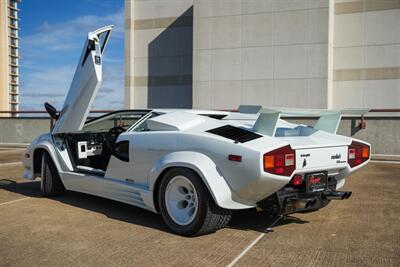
(104, 111)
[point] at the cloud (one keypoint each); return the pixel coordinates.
(49, 56)
(51, 85)
(68, 35)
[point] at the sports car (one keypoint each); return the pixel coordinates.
(194, 167)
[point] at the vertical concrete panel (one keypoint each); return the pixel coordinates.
(159, 53)
(170, 65)
(366, 55)
(290, 62)
(290, 27)
(259, 47)
(257, 63)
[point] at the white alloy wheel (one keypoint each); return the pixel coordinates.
(181, 200)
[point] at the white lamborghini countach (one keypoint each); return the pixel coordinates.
(194, 167)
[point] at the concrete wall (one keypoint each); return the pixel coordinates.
(268, 52)
(366, 58)
(294, 53)
(159, 49)
(383, 131)
(22, 130)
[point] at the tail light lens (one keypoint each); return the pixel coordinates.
(297, 180)
(280, 161)
(358, 153)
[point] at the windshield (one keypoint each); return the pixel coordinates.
(124, 119)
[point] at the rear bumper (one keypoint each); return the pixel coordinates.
(290, 200)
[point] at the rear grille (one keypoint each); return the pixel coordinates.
(235, 133)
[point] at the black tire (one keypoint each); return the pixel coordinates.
(209, 217)
(51, 184)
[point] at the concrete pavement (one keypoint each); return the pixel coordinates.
(79, 229)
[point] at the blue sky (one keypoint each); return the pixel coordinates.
(52, 35)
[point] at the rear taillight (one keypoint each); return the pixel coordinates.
(280, 161)
(358, 153)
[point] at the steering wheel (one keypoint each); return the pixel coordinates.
(113, 134)
(116, 131)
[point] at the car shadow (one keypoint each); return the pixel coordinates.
(241, 220)
(260, 221)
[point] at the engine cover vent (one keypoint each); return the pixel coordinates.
(234, 133)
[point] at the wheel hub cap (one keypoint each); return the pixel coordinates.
(181, 200)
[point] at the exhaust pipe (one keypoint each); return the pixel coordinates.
(337, 195)
(305, 203)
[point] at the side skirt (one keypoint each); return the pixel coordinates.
(114, 189)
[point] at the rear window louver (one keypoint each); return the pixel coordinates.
(234, 133)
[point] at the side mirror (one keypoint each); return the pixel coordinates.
(51, 110)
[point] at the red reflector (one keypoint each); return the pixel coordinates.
(279, 170)
(236, 158)
(297, 180)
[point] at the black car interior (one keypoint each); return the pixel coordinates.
(94, 150)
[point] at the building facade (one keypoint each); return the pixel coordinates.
(9, 56)
(219, 54)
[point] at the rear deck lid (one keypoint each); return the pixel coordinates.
(319, 150)
(323, 157)
(85, 84)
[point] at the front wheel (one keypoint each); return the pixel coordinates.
(50, 184)
(186, 205)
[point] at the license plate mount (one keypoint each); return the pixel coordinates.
(316, 182)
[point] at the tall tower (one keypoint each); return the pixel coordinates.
(9, 56)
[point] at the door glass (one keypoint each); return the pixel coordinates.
(103, 39)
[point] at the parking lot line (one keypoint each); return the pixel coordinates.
(13, 201)
(252, 244)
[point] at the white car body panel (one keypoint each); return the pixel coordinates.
(180, 138)
(85, 84)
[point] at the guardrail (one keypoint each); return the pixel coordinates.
(388, 110)
(380, 127)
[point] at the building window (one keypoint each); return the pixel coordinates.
(14, 98)
(13, 13)
(13, 32)
(14, 51)
(13, 41)
(14, 89)
(13, 4)
(14, 79)
(14, 22)
(14, 60)
(14, 107)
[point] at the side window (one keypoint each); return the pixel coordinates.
(121, 150)
(142, 126)
(90, 47)
(103, 40)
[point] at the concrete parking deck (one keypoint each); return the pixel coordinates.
(79, 229)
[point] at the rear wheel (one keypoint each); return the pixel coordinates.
(51, 184)
(186, 205)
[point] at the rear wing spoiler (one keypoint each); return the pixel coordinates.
(328, 119)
